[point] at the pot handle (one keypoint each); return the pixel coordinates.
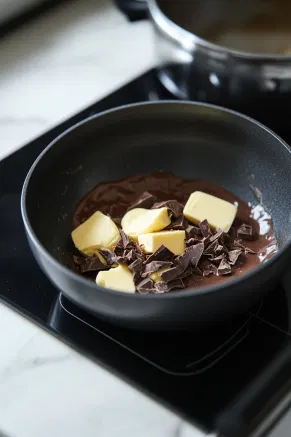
(263, 402)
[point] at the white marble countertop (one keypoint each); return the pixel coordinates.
(51, 69)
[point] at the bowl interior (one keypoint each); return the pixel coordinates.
(190, 140)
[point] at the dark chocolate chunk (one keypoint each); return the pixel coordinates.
(219, 249)
(245, 232)
(119, 249)
(186, 273)
(225, 240)
(205, 229)
(210, 250)
(126, 241)
(161, 254)
(172, 274)
(175, 208)
(108, 256)
(216, 236)
(154, 266)
(164, 287)
(232, 233)
(179, 224)
(121, 260)
(233, 256)
(146, 285)
(209, 269)
(131, 256)
(89, 264)
(197, 252)
(193, 232)
(196, 271)
(191, 256)
(145, 200)
(192, 241)
(224, 268)
(136, 268)
(218, 258)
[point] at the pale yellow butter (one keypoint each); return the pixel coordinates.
(119, 278)
(156, 276)
(173, 240)
(98, 232)
(218, 212)
(143, 221)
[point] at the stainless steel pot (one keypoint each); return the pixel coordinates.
(191, 67)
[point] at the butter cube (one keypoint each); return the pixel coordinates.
(119, 278)
(98, 232)
(156, 276)
(219, 213)
(173, 240)
(143, 221)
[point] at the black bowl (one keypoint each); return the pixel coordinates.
(189, 139)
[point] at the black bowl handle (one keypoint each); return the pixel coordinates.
(263, 401)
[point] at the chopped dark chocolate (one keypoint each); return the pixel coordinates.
(197, 252)
(225, 240)
(205, 229)
(196, 271)
(119, 249)
(219, 249)
(121, 259)
(233, 256)
(232, 233)
(216, 236)
(161, 254)
(131, 256)
(210, 250)
(185, 260)
(154, 266)
(126, 241)
(193, 232)
(175, 208)
(224, 268)
(89, 264)
(218, 258)
(136, 268)
(108, 256)
(245, 232)
(164, 287)
(171, 274)
(186, 272)
(179, 224)
(192, 241)
(209, 269)
(145, 200)
(146, 285)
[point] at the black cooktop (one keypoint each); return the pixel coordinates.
(196, 374)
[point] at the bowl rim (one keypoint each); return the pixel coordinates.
(183, 293)
(189, 40)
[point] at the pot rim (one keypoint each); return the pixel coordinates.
(184, 293)
(190, 40)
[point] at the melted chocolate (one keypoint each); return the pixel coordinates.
(114, 199)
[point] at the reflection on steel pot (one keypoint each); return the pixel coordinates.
(228, 52)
